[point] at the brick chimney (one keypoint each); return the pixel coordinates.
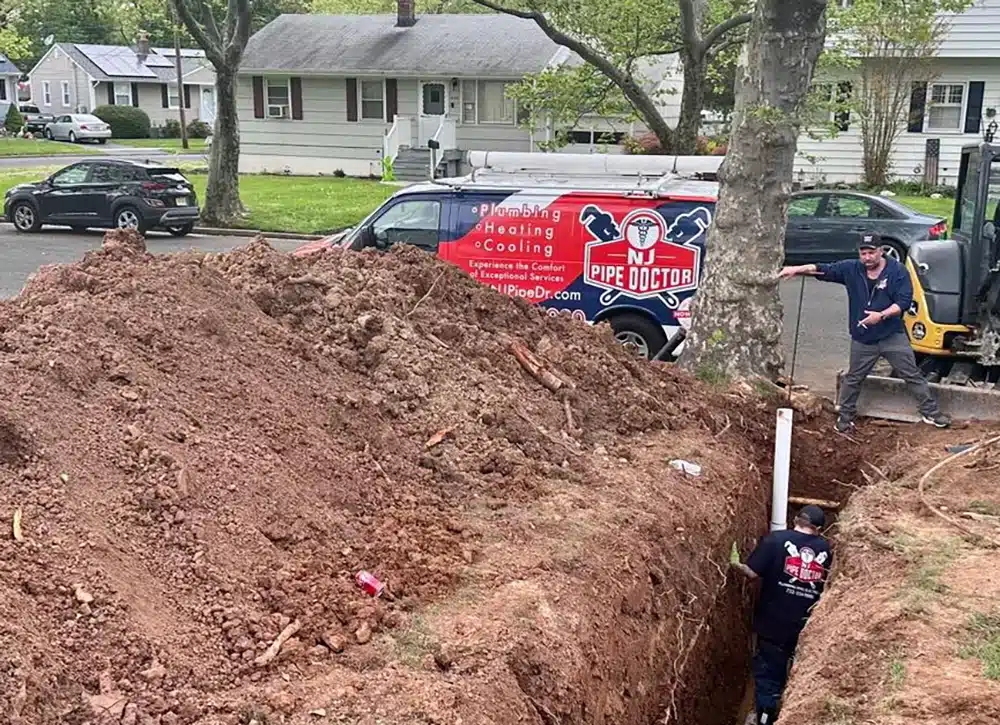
(405, 16)
(142, 47)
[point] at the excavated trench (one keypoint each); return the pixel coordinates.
(717, 689)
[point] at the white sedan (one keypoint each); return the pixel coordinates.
(75, 127)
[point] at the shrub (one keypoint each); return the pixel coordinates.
(14, 121)
(172, 128)
(125, 121)
(199, 129)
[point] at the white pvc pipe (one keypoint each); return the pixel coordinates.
(782, 461)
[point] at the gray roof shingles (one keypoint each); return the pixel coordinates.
(481, 46)
(7, 68)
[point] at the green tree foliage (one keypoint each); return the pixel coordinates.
(14, 121)
(622, 41)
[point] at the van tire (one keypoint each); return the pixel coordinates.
(632, 329)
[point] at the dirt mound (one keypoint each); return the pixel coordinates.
(206, 449)
(910, 629)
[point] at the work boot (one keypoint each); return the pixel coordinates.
(938, 420)
(843, 424)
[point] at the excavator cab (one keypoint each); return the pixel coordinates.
(954, 321)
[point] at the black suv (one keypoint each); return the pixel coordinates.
(106, 193)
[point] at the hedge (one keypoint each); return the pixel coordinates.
(125, 121)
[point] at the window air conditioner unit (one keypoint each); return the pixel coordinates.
(277, 111)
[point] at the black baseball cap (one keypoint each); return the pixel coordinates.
(813, 514)
(870, 240)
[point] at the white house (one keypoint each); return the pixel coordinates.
(324, 93)
(951, 111)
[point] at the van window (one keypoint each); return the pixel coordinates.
(413, 221)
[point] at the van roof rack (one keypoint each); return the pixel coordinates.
(650, 176)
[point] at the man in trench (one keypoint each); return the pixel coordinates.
(879, 291)
(792, 567)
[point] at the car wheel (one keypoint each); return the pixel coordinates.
(182, 230)
(25, 217)
(639, 334)
(48, 134)
(102, 141)
(128, 217)
(72, 137)
(894, 250)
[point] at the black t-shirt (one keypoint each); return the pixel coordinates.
(793, 568)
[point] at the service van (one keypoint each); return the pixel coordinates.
(596, 237)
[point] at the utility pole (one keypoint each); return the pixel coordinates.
(180, 84)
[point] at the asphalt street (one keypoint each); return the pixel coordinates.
(126, 152)
(23, 254)
(823, 337)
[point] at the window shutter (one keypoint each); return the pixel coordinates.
(974, 108)
(165, 95)
(391, 100)
(918, 102)
(843, 96)
(296, 99)
(258, 97)
(111, 94)
(187, 96)
(135, 94)
(352, 99)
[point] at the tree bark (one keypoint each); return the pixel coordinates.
(736, 314)
(222, 197)
(692, 103)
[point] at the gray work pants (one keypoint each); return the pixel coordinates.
(896, 349)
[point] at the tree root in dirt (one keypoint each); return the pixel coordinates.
(941, 514)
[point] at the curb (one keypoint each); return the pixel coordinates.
(250, 233)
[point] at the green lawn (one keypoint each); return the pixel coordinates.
(196, 145)
(303, 204)
(40, 147)
(942, 207)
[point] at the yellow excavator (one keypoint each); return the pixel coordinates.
(954, 322)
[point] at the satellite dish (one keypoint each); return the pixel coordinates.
(48, 39)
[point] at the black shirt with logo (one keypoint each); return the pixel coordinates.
(793, 568)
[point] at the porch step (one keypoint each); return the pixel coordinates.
(412, 164)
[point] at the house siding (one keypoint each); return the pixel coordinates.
(325, 141)
(839, 159)
(975, 33)
(151, 101)
(55, 68)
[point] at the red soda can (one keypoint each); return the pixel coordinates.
(368, 582)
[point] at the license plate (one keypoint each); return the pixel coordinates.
(182, 201)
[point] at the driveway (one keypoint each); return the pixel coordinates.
(823, 338)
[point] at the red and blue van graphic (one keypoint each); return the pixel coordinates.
(583, 254)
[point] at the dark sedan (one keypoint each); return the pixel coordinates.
(106, 193)
(823, 226)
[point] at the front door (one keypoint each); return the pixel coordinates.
(433, 107)
(207, 111)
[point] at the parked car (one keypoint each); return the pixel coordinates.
(74, 127)
(823, 226)
(34, 120)
(106, 193)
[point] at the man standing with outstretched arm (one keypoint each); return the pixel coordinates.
(879, 291)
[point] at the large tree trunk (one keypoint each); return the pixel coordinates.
(736, 315)
(222, 197)
(692, 103)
